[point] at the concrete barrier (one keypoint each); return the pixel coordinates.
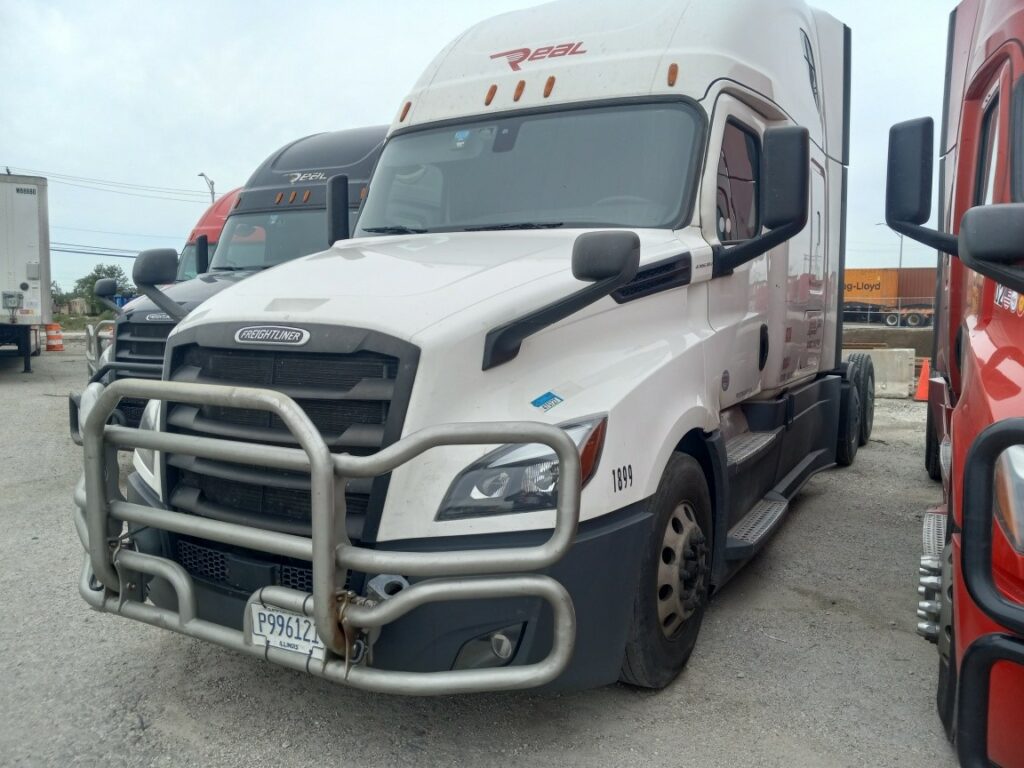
(894, 370)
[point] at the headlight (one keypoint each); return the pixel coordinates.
(1009, 488)
(521, 478)
(150, 420)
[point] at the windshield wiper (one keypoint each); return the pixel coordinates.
(230, 269)
(515, 225)
(397, 230)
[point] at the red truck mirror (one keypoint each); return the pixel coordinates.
(991, 242)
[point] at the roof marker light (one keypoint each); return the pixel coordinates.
(238, 202)
(405, 112)
(520, 86)
(292, 196)
(673, 73)
(305, 196)
(549, 86)
(279, 198)
(490, 95)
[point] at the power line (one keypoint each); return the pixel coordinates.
(85, 245)
(111, 183)
(197, 201)
(126, 234)
(95, 253)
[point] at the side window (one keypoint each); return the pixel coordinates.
(736, 205)
(812, 71)
(985, 182)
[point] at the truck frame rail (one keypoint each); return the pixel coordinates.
(339, 617)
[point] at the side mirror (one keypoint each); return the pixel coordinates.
(991, 242)
(158, 266)
(598, 256)
(202, 255)
(337, 209)
(105, 289)
(908, 184)
(608, 259)
(784, 196)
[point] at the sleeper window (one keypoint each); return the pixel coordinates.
(736, 205)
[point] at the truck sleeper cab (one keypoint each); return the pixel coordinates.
(549, 403)
(278, 215)
(972, 570)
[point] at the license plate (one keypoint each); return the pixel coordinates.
(286, 630)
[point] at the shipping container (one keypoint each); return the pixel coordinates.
(890, 295)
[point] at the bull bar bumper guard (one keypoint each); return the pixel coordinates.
(102, 511)
(976, 567)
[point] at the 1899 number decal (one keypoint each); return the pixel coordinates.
(622, 477)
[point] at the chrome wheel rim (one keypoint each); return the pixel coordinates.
(682, 569)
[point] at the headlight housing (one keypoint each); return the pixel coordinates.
(521, 478)
(1009, 488)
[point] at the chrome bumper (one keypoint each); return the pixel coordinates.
(339, 616)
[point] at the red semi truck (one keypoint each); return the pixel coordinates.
(972, 571)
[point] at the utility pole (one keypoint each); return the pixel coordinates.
(209, 183)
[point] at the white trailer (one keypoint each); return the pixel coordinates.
(611, 231)
(24, 263)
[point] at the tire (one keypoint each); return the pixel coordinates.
(849, 425)
(892, 320)
(866, 390)
(914, 320)
(669, 603)
(931, 448)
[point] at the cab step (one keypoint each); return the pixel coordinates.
(747, 445)
(755, 527)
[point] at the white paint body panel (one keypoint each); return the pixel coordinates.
(653, 365)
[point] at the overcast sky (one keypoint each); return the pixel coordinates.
(154, 93)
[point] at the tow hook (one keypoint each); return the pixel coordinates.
(358, 642)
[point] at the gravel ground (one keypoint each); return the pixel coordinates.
(808, 658)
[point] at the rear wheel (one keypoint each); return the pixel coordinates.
(866, 389)
(672, 591)
(914, 320)
(849, 425)
(892, 319)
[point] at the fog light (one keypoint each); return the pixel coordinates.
(492, 649)
(502, 646)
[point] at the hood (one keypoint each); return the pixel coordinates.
(188, 293)
(401, 285)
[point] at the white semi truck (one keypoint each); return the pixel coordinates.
(579, 355)
(24, 264)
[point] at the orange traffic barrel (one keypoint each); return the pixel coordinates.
(54, 338)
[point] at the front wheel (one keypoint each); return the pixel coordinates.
(672, 591)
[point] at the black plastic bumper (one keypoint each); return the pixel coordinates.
(600, 573)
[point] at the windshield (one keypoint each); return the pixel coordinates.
(187, 261)
(623, 166)
(262, 240)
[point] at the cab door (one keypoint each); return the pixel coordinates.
(738, 303)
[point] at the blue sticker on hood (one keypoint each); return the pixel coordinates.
(546, 402)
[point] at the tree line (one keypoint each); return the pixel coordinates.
(84, 287)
